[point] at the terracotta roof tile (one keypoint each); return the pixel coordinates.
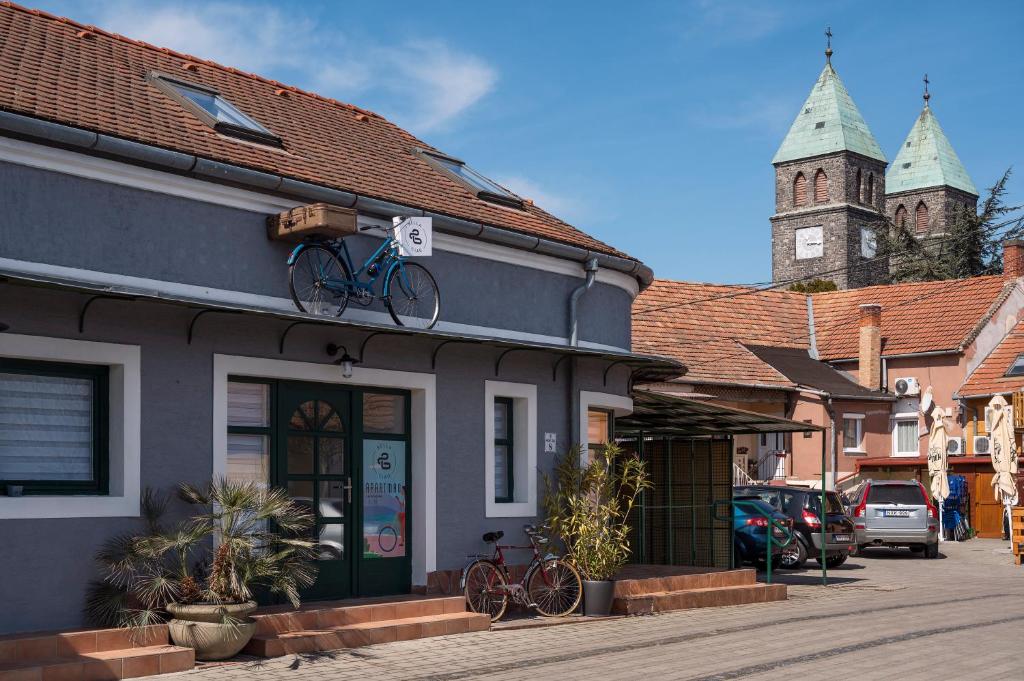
(98, 82)
(705, 325)
(917, 317)
(988, 378)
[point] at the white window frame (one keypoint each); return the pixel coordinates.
(618, 405)
(905, 416)
(524, 454)
(124, 426)
(858, 419)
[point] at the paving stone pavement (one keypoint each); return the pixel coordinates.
(887, 615)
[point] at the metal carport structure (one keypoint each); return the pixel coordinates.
(688, 445)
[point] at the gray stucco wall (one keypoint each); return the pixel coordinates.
(63, 220)
(46, 564)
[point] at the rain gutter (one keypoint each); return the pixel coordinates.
(46, 132)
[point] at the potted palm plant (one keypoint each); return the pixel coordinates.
(199, 574)
(587, 507)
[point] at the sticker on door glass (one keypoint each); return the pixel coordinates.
(383, 499)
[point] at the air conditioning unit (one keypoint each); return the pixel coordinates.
(982, 445)
(955, 446)
(907, 387)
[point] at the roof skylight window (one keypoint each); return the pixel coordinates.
(1017, 368)
(213, 109)
(484, 188)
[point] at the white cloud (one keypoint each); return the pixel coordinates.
(564, 207)
(423, 84)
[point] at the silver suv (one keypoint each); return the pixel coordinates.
(895, 513)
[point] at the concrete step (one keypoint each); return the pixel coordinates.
(327, 615)
(641, 584)
(665, 601)
(365, 633)
(102, 665)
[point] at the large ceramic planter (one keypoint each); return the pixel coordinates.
(598, 597)
(202, 628)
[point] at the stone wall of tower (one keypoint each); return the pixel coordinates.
(842, 217)
(943, 203)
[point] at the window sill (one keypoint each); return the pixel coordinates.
(906, 455)
(855, 452)
(519, 509)
(35, 506)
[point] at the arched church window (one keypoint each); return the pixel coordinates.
(869, 190)
(901, 216)
(858, 190)
(800, 190)
(921, 218)
(820, 187)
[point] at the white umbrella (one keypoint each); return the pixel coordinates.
(1004, 454)
(938, 462)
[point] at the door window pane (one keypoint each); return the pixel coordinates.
(302, 418)
(46, 427)
(301, 492)
(332, 456)
(384, 413)
(332, 498)
(331, 542)
(248, 458)
(248, 404)
(384, 471)
(300, 455)
(328, 419)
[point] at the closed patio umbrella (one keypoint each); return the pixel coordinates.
(938, 463)
(1004, 454)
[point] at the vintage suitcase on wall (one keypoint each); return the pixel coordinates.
(320, 220)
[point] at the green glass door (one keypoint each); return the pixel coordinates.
(314, 464)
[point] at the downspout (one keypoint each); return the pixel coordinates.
(590, 267)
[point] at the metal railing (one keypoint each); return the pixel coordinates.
(740, 476)
(755, 507)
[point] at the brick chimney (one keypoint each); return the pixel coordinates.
(869, 370)
(1013, 258)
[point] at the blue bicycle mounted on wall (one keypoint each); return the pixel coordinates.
(322, 281)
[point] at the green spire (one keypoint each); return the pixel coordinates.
(926, 159)
(827, 123)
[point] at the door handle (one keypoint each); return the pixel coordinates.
(348, 488)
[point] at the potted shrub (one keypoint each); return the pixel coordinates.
(199, 574)
(587, 507)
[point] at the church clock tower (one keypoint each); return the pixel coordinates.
(829, 191)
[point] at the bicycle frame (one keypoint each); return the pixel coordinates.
(386, 254)
(498, 559)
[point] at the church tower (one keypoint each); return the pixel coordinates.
(927, 184)
(829, 191)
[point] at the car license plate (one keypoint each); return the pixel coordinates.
(840, 538)
(897, 514)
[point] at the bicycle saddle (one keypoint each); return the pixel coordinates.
(493, 536)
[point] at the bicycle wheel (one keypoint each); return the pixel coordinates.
(555, 588)
(317, 281)
(485, 589)
(413, 297)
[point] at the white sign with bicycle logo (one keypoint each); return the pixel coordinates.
(415, 236)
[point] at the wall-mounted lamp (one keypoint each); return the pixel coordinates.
(346, 361)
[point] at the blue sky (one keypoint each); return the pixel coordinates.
(648, 124)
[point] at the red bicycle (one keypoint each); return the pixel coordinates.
(551, 585)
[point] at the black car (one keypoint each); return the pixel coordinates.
(803, 506)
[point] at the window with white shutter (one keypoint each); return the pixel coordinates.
(53, 427)
(248, 432)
